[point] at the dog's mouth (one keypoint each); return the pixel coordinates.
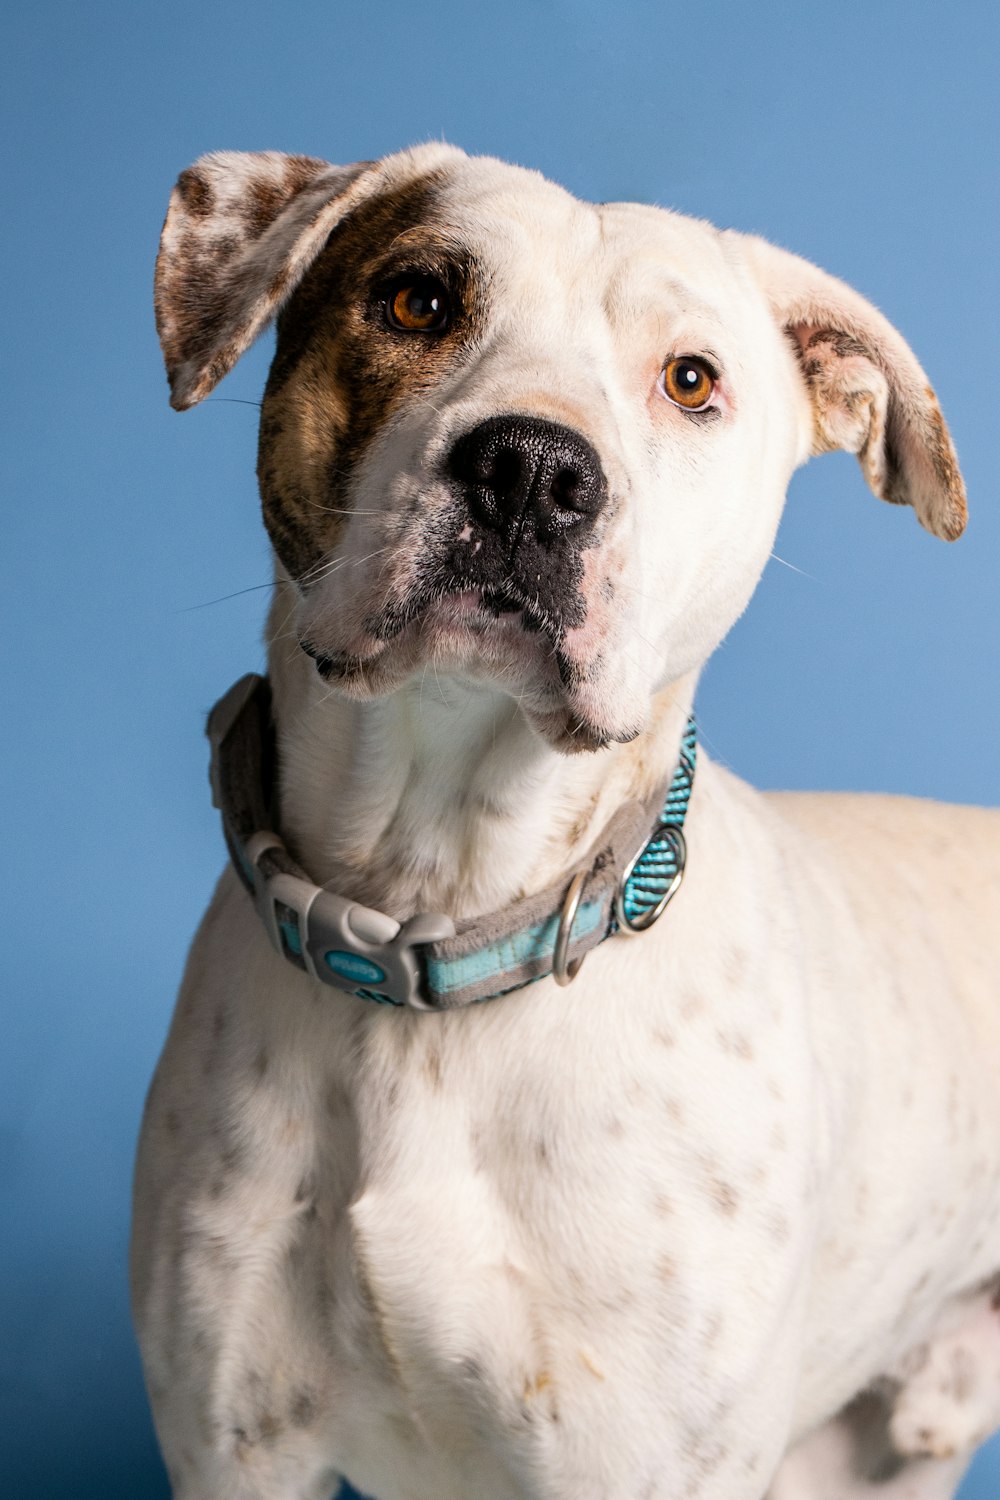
(449, 618)
(476, 608)
(494, 632)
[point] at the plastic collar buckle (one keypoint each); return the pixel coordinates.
(340, 942)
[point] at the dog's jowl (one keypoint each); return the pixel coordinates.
(548, 1115)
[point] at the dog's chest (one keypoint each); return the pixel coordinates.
(513, 1216)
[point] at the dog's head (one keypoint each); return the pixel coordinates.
(523, 437)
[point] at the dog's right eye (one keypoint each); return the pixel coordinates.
(416, 304)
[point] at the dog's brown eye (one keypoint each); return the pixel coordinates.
(417, 304)
(688, 382)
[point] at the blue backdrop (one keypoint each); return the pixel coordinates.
(862, 135)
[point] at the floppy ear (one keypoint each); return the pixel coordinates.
(242, 229)
(868, 392)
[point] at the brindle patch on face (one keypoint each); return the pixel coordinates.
(340, 372)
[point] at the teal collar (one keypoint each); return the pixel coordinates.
(623, 884)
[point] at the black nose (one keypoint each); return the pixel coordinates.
(515, 469)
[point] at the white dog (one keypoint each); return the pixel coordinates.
(719, 1220)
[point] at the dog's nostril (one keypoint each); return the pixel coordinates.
(565, 489)
(515, 467)
(506, 470)
(496, 469)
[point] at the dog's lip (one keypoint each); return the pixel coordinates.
(456, 618)
(462, 602)
(333, 661)
(497, 606)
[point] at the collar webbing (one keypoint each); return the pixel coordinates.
(432, 962)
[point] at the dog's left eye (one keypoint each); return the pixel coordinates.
(688, 382)
(417, 304)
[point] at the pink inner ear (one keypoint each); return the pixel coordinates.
(831, 342)
(802, 333)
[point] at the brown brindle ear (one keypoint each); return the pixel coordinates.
(242, 229)
(869, 394)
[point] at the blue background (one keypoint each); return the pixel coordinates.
(861, 135)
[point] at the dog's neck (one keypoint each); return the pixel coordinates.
(441, 796)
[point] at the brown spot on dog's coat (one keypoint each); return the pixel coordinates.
(195, 194)
(675, 1111)
(233, 1155)
(691, 1006)
(267, 1429)
(735, 1043)
(666, 1268)
(266, 197)
(305, 1190)
(724, 1196)
(432, 1065)
(303, 1408)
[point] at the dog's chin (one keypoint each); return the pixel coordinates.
(454, 636)
(570, 734)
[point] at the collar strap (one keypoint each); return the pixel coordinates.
(432, 962)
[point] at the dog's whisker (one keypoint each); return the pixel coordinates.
(252, 588)
(338, 510)
(793, 568)
(335, 565)
(437, 678)
(317, 569)
(420, 690)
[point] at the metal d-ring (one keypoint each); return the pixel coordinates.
(562, 972)
(639, 924)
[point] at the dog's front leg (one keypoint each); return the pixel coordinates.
(228, 1241)
(847, 1460)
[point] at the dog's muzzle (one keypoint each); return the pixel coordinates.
(524, 477)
